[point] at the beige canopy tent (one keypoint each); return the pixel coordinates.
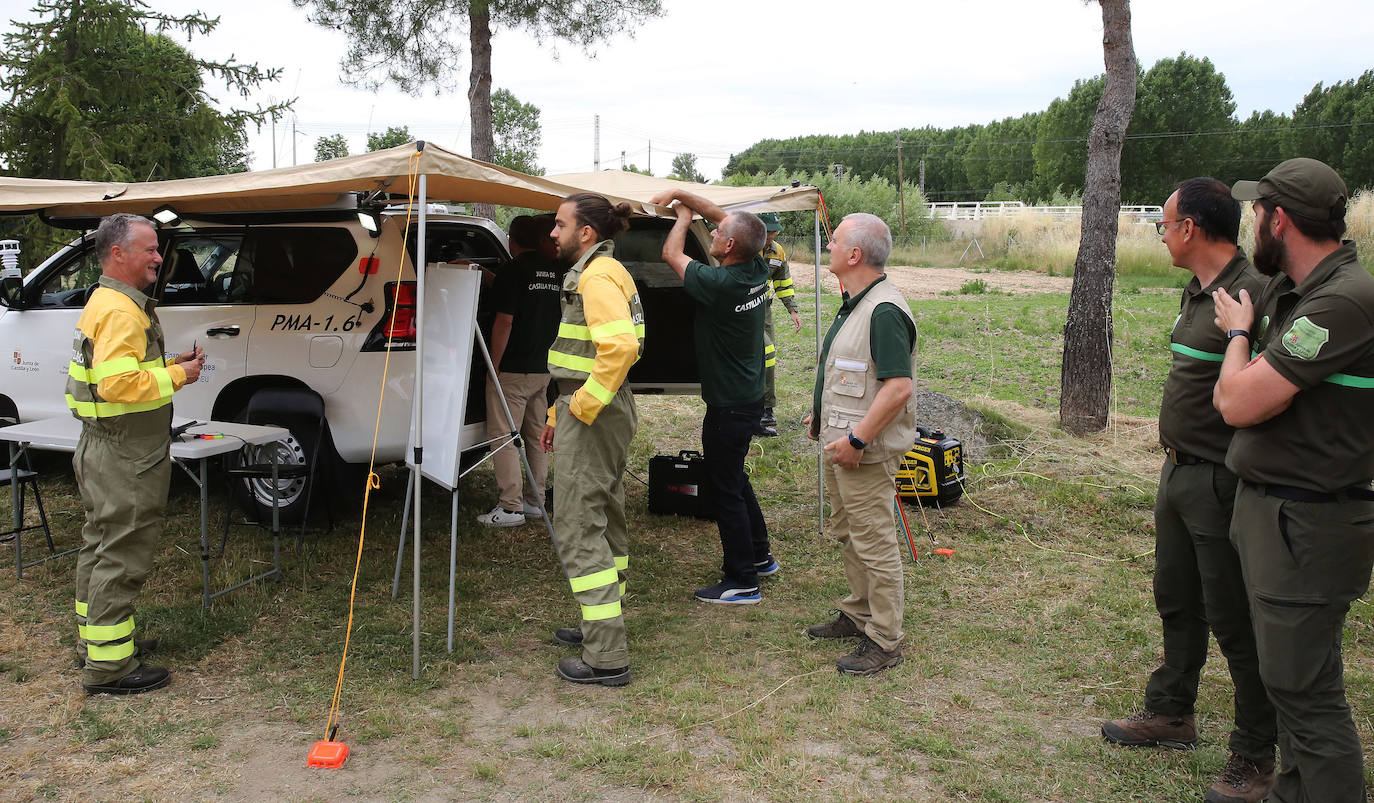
(641, 188)
(420, 171)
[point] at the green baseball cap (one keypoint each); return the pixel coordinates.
(1303, 186)
(770, 221)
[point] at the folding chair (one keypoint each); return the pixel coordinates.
(266, 407)
(26, 478)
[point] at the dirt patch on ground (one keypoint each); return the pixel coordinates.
(915, 282)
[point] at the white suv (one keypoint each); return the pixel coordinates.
(303, 299)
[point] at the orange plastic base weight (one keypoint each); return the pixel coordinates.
(946, 552)
(329, 755)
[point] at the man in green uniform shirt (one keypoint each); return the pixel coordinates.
(728, 335)
(864, 412)
(1304, 452)
(780, 287)
(1198, 581)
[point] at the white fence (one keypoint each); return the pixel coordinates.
(977, 210)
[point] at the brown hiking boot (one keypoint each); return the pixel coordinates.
(842, 627)
(1242, 781)
(1148, 729)
(868, 658)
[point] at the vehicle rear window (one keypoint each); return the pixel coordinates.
(294, 265)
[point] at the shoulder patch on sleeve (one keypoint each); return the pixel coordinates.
(1305, 339)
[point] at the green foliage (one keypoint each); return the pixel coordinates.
(1176, 99)
(1336, 125)
(684, 168)
(98, 92)
(635, 169)
(414, 46)
(1183, 125)
(393, 136)
(875, 195)
(516, 133)
(333, 146)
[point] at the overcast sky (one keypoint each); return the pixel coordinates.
(714, 76)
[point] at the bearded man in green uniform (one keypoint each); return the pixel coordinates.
(120, 386)
(780, 287)
(1198, 585)
(1304, 452)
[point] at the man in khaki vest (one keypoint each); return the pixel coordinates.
(864, 411)
(120, 386)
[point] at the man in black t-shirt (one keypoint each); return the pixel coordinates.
(527, 313)
(728, 336)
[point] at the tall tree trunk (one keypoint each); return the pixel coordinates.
(479, 88)
(1086, 375)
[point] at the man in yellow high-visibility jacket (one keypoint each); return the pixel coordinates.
(589, 432)
(780, 287)
(120, 386)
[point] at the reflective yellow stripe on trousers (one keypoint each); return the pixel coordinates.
(587, 582)
(110, 652)
(594, 613)
(106, 632)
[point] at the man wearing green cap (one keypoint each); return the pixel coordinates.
(780, 287)
(1304, 453)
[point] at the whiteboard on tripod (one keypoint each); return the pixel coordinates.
(448, 325)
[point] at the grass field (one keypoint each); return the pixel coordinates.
(1038, 628)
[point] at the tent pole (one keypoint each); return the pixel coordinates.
(419, 425)
(820, 455)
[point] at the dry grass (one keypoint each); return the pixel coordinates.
(1017, 648)
(1038, 243)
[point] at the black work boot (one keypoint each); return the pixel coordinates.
(575, 670)
(568, 636)
(768, 425)
(1149, 729)
(145, 678)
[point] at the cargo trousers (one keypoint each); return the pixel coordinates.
(525, 395)
(1304, 563)
(1198, 587)
(589, 521)
(861, 505)
(123, 478)
(770, 358)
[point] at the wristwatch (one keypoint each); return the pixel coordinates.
(1235, 333)
(855, 442)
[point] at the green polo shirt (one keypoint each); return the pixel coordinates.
(1187, 420)
(728, 332)
(529, 288)
(891, 336)
(1318, 335)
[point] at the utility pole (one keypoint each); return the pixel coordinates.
(901, 186)
(622, 160)
(650, 168)
(923, 175)
(274, 141)
(293, 140)
(596, 144)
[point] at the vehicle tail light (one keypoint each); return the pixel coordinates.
(397, 326)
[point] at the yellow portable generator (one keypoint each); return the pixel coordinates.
(932, 472)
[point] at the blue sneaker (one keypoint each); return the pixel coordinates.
(728, 593)
(767, 567)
